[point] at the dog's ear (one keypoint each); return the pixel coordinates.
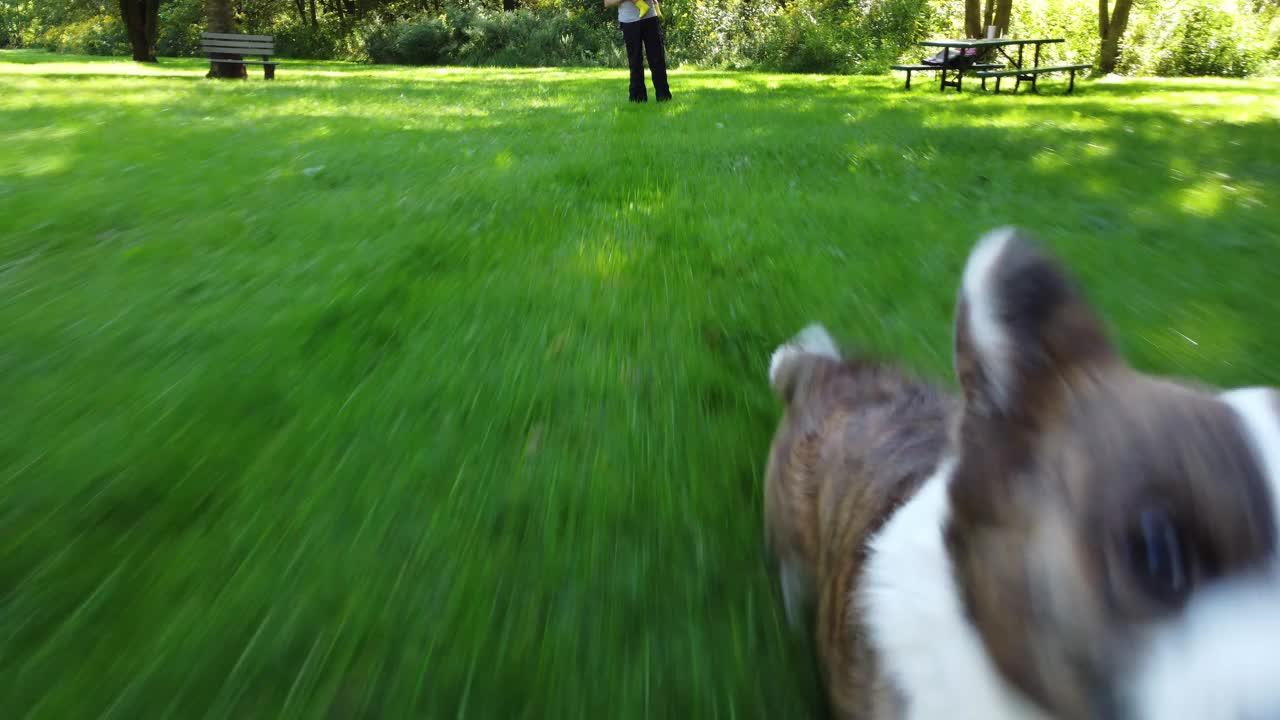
(1023, 331)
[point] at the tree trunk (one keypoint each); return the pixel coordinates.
(988, 14)
(302, 10)
(509, 5)
(314, 21)
(973, 18)
(1111, 30)
(141, 21)
(221, 20)
(1004, 8)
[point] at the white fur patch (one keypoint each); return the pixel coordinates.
(931, 652)
(1219, 660)
(813, 340)
(1220, 657)
(1257, 409)
(990, 341)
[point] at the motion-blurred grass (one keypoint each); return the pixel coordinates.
(436, 392)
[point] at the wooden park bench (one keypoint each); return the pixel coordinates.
(959, 71)
(1029, 75)
(262, 46)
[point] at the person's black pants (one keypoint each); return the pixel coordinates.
(646, 33)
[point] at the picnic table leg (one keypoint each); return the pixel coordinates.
(1017, 79)
(1035, 75)
(908, 80)
(1072, 84)
(946, 58)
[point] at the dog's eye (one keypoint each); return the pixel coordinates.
(1160, 557)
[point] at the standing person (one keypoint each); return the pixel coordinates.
(640, 27)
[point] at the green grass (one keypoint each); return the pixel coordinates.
(385, 392)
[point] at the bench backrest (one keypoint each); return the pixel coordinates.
(236, 44)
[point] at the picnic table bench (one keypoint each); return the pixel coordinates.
(1030, 75)
(925, 67)
(980, 47)
(222, 44)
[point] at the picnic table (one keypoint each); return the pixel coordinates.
(977, 47)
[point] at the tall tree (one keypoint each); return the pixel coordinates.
(1004, 8)
(996, 13)
(1111, 29)
(222, 20)
(141, 21)
(973, 18)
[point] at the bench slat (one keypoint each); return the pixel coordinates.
(237, 50)
(234, 36)
(234, 43)
(939, 67)
(1031, 71)
(254, 42)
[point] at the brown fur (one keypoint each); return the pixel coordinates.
(1049, 482)
(857, 440)
(1060, 447)
(1062, 631)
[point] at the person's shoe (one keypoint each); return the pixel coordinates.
(640, 100)
(665, 98)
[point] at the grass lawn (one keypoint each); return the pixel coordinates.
(387, 392)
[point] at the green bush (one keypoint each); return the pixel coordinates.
(800, 41)
(379, 40)
(725, 34)
(1210, 41)
(15, 19)
(424, 41)
(297, 39)
(473, 36)
(1196, 37)
(24, 23)
(98, 35)
(1075, 22)
(181, 22)
(1168, 37)
(890, 29)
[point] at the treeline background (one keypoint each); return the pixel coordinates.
(1233, 38)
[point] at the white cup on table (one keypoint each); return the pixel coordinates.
(992, 30)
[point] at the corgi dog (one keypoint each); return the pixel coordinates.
(1067, 537)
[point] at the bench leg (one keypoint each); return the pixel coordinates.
(1034, 89)
(1071, 85)
(268, 71)
(908, 87)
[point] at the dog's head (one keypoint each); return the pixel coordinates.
(1114, 535)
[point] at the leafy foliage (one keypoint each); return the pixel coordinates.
(96, 35)
(1206, 39)
(1167, 37)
